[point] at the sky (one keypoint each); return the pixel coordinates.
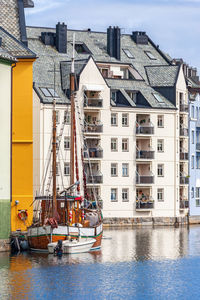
(174, 25)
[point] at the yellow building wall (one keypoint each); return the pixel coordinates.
(22, 144)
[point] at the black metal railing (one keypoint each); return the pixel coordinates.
(145, 154)
(184, 204)
(184, 180)
(183, 132)
(147, 204)
(96, 128)
(183, 156)
(144, 129)
(93, 102)
(93, 153)
(95, 179)
(144, 179)
(184, 107)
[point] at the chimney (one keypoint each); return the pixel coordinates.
(61, 37)
(140, 37)
(114, 42)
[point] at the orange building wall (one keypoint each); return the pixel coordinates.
(22, 144)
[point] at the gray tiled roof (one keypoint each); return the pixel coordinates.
(162, 75)
(96, 42)
(14, 47)
(5, 55)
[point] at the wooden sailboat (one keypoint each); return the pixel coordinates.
(63, 216)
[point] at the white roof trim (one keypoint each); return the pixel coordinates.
(93, 87)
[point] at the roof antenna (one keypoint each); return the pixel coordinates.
(73, 55)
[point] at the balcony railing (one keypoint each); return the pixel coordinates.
(93, 153)
(184, 204)
(96, 128)
(184, 107)
(145, 154)
(198, 146)
(98, 178)
(93, 102)
(144, 179)
(183, 132)
(184, 179)
(183, 156)
(144, 129)
(144, 204)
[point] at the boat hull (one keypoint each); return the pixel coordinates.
(40, 237)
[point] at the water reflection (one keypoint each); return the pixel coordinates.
(131, 261)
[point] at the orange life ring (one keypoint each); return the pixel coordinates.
(23, 215)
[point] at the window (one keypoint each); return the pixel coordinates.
(197, 162)
(158, 98)
(197, 196)
(193, 111)
(114, 96)
(192, 192)
(125, 195)
(81, 48)
(192, 161)
(128, 53)
(125, 170)
(197, 112)
(160, 195)
(160, 170)
(66, 117)
(66, 143)
(113, 144)
(113, 195)
(132, 95)
(124, 120)
(113, 119)
(160, 122)
(124, 145)
(150, 54)
(66, 168)
(57, 117)
(57, 169)
(104, 72)
(113, 170)
(192, 136)
(49, 92)
(160, 146)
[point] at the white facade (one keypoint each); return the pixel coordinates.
(147, 191)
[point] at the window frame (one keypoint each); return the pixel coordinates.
(116, 143)
(116, 118)
(126, 174)
(66, 140)
(160, 191)
(116, 195)
(125, 191)
(66, 166)
(112, 168)
(160, 167)
(125, 116)
(127, 143)
(160, 121)
(162, 143)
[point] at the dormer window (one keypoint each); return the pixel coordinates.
(114, 96)
(81, 48)
(49, 92)
(150, 55)
(158, 98)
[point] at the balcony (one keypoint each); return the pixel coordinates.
(93, 102)
(145, 154)
(140, 129)
(197, 146)
(93, 153)
(144, 179)
(144, 204)
(93, 128)
(184, 108)
(184, 179)
(183, 155)
(184, 203)
(95, 179)
(183, 132)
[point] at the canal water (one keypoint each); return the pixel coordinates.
(145, 263)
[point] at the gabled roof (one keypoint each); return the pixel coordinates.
(162, 76)
(14, 47)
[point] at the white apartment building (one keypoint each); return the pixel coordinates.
(129, 111)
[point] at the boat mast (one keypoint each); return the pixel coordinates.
(54, 206)
(72, 91)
